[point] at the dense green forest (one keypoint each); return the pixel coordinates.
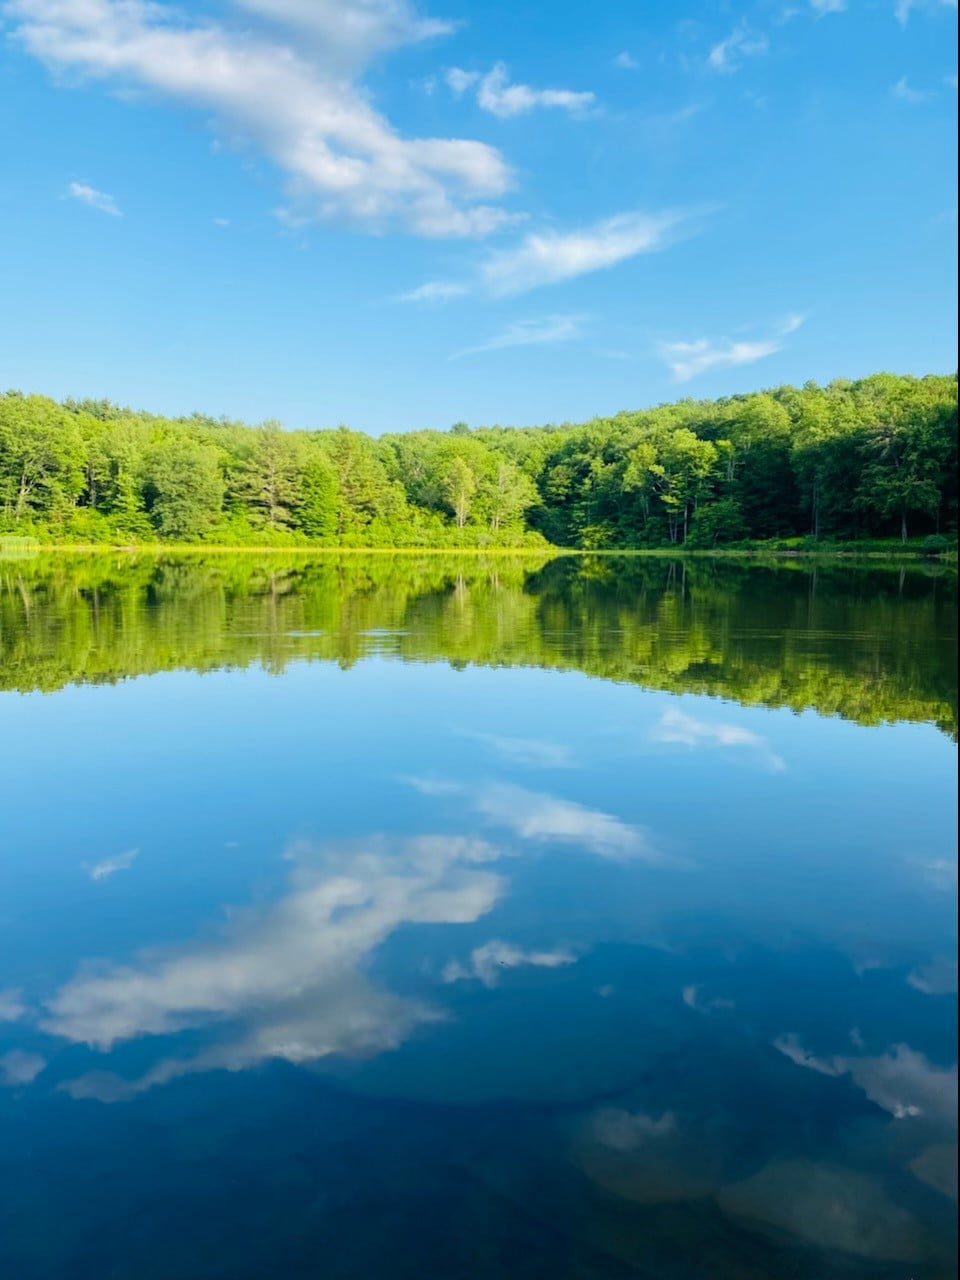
(868, 644)
(875, 458)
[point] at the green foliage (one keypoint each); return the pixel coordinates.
(935, 545)
(857, 461)
(868, 644)
(183, 488)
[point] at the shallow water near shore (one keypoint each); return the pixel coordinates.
(394, 916)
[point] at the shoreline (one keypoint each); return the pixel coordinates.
(907, 555)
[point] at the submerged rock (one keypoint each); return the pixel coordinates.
(937, 1167)
(828, 1206)
(644, 1158)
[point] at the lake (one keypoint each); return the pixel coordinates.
(413, 916)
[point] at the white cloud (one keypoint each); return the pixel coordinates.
(486, 963)
(529, 333)
(902, 90)
(727, 56)
(791, 1048)
(110, 866)
(676, 726)
(903, 8)
(822, 7)
(544, 818)
(621, 1130)
(12, 1007)
(938, 978)
(459, 81)
(535, 752)
(551, 257)
(905, 1083)
(353, 30)
(343, 160)
(548, 257)
(901, 1081)
(291, 977)
(18, 1067)
(94, 198)
(500, 98)
(433, 786)
(626, 61)
(940, 874)
(688, 360)
(693, 1000)
(434, 291)
(221, 222)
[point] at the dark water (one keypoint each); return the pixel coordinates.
(396, 917)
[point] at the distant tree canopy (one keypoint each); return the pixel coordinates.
(872, 458)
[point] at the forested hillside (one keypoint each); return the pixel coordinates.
(872, 458)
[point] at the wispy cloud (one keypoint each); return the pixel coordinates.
(541, 818)
(903, 8)
(693, 1000)
(110, 866)
(625, 61)
(434, 291)
(12, 1007)
(549, 819)
(676, 726)
(288, 982)
(495, 93)
(902, 90)
(938, 978)
(727, 56)
(94, 198)
(487, 963)
(536, 752)
(548, 257)
(621, 1130)
(687, 360)
(901, 1081)
(529, 333)
(354, 30)
(293, 96)
(823, 7)
(19, 1067)
(939, 874)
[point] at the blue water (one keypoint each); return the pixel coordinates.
(423, 965)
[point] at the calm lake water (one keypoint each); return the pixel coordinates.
(417, 917)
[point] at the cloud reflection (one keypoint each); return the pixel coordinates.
(488, 962)
(18, 1067)
(12, 1007)
(543, 818)
(110, 866)
(901, 1081)
(289, 975)
(676, 726)
(537, 753)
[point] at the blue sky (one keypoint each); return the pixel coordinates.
(401, 216)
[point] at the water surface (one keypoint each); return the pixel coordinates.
(398, 917)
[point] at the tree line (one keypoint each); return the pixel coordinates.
(874, 458)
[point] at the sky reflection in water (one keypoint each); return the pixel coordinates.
(466, 965)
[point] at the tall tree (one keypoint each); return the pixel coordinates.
(183, 487)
